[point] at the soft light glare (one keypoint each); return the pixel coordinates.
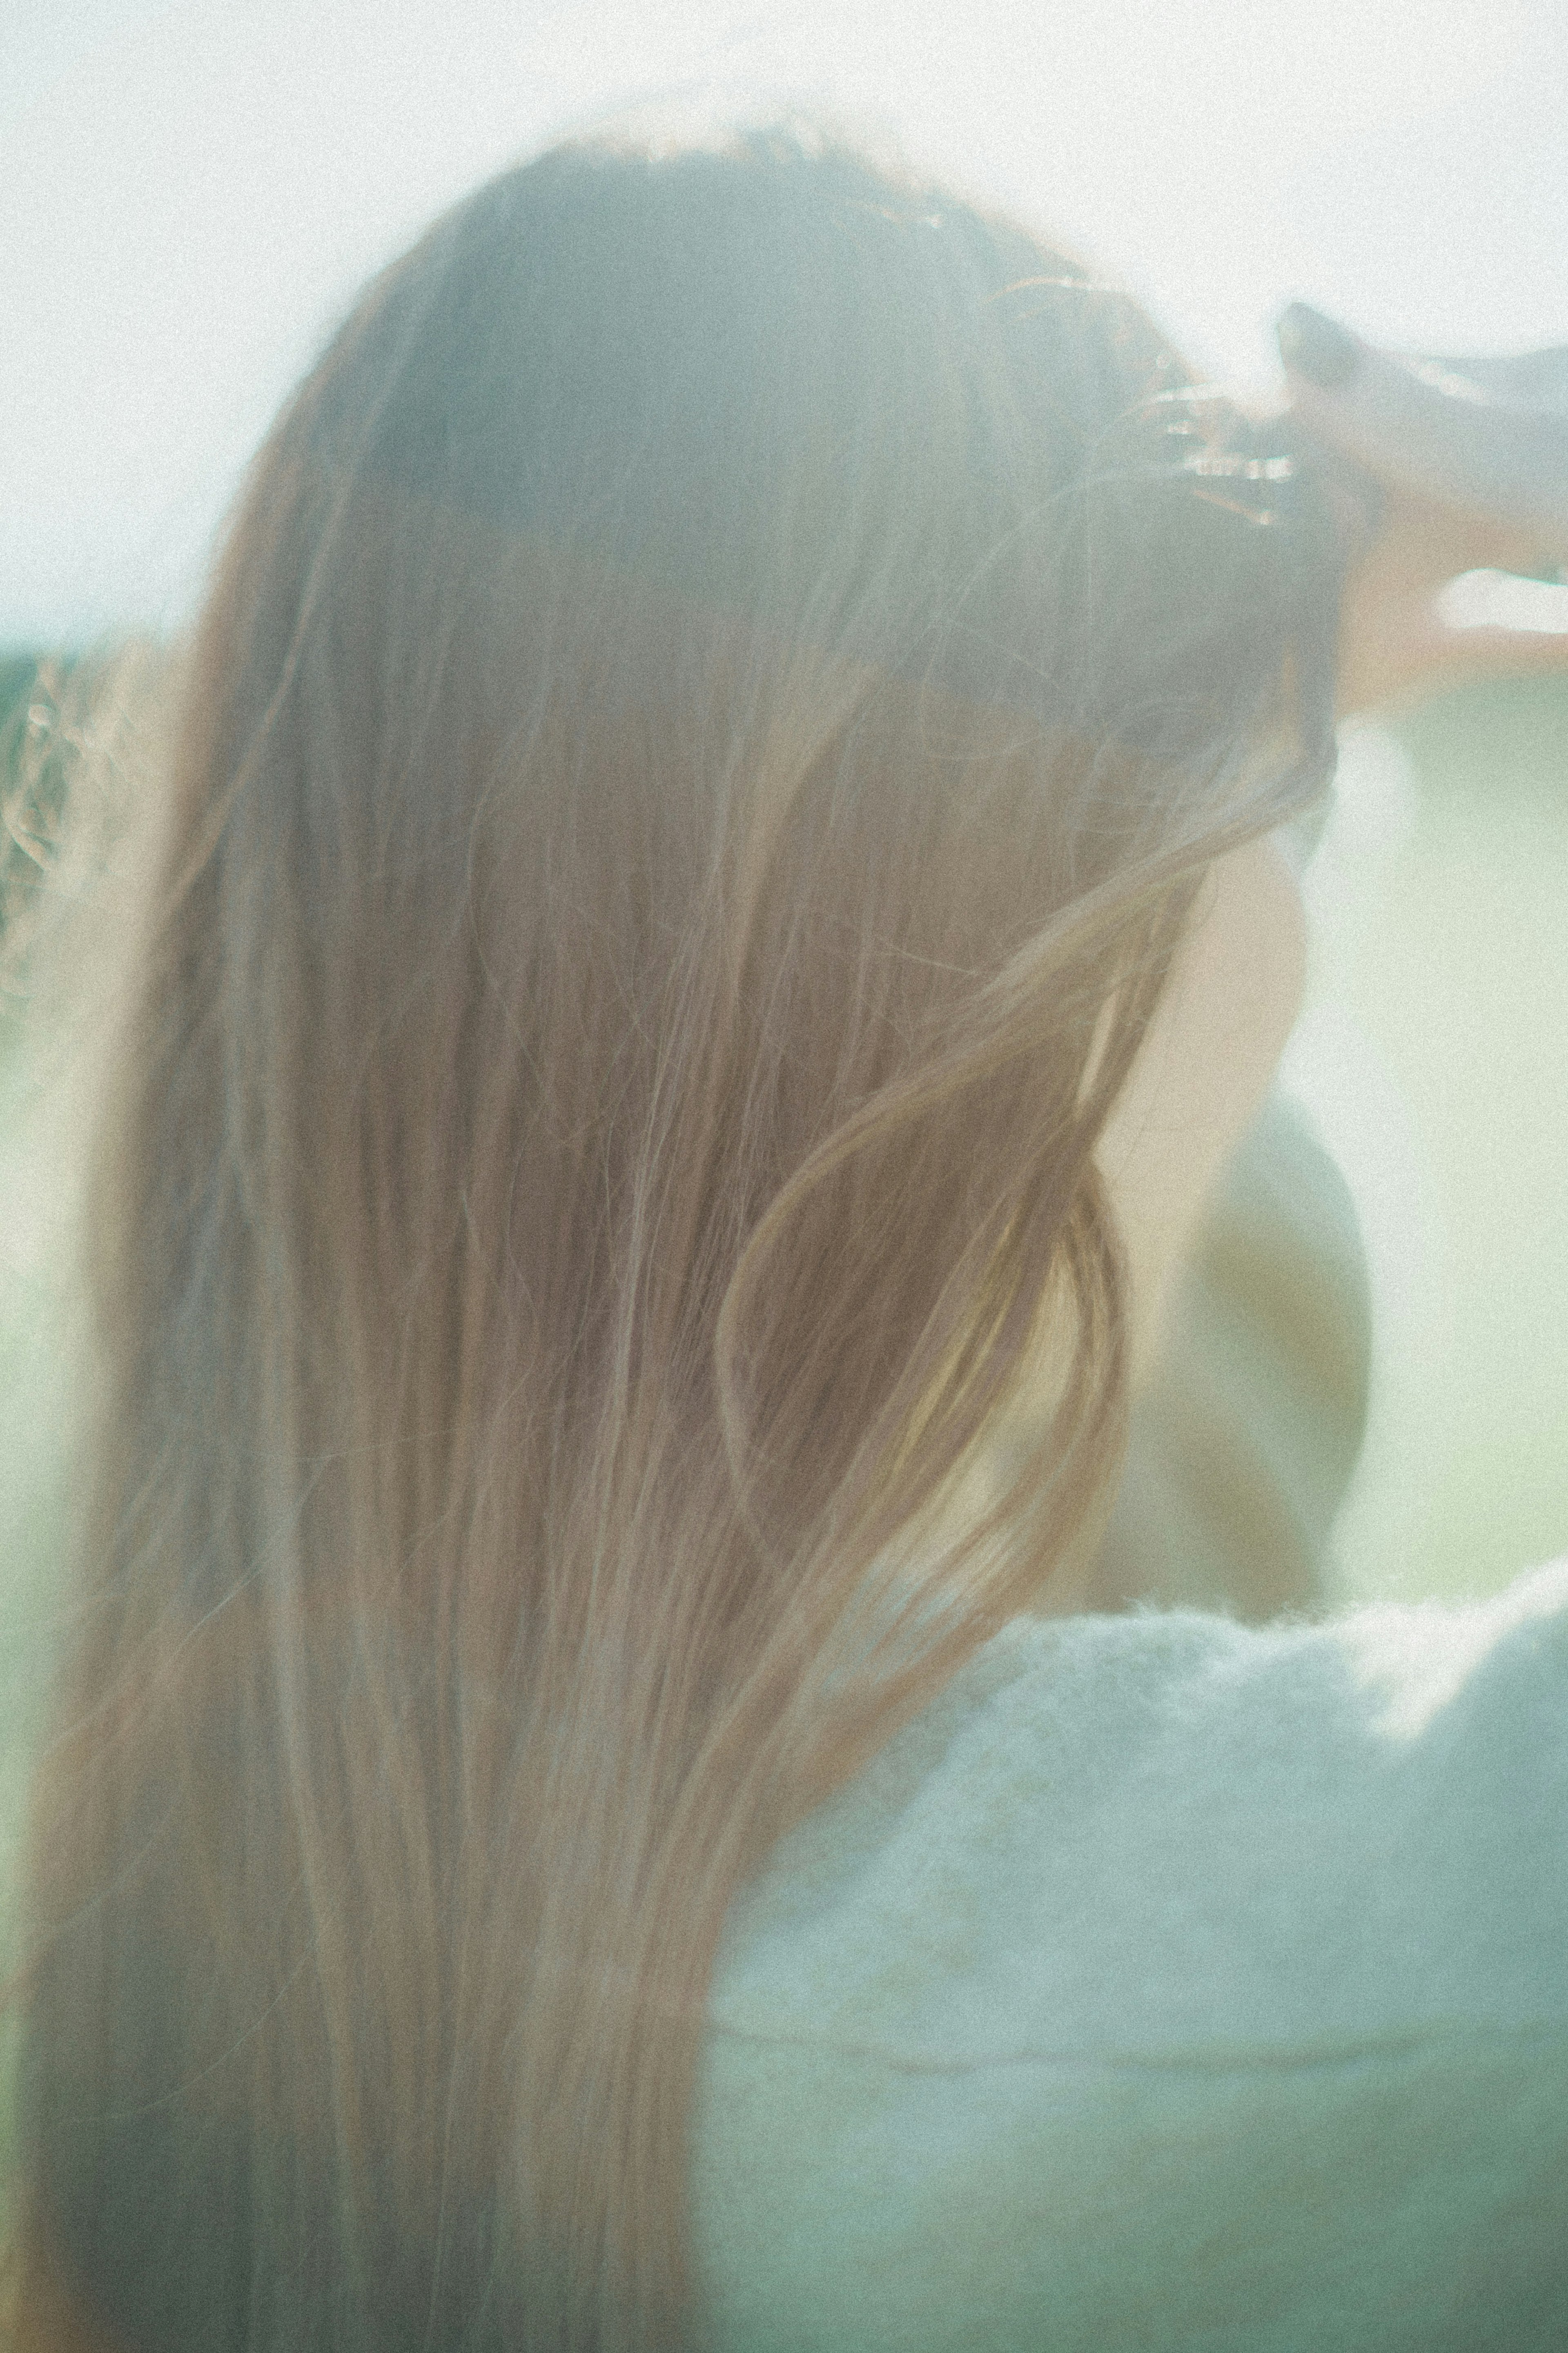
(190, 191)
(1501, 600)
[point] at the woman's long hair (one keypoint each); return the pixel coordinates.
(713, 706)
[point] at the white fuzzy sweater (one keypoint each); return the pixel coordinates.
(1173, 1983)
(1169, 1983)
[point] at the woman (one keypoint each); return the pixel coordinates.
(718, 916)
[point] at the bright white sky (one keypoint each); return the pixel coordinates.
(190, 190)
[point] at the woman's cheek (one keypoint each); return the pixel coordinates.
(1204, 1067)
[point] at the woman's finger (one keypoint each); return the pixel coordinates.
(1493, 450)
(1523, 379)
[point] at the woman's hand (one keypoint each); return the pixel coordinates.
(1471, 460)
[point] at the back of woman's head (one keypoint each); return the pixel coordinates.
(714, 704)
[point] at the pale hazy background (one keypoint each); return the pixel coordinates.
(190, 190)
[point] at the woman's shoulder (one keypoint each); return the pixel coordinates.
(1326, 1827)
(1170, 1981)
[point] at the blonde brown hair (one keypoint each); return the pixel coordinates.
(716, 699)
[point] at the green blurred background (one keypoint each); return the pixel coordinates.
(1433, 1053)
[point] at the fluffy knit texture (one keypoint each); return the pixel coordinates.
(1175, 1984)
(1169, 1983)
